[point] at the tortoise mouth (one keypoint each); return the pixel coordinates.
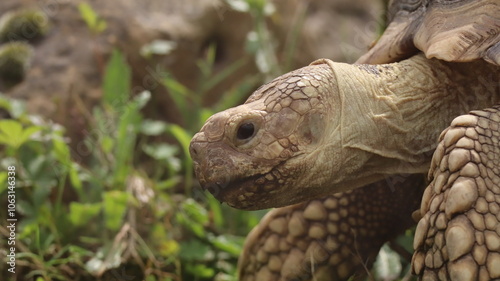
(244, 193)
(255, 192)
(252, 192)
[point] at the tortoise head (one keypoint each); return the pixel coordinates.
(244, 154)
(332, 127)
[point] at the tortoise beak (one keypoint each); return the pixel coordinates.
(218, 172)
(212, 165)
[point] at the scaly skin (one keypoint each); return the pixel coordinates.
(332, 238)
(459, 31)
(458, 237)
(331, 127)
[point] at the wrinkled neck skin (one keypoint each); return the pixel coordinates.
(386, 119)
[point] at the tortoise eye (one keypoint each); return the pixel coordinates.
(245, 131)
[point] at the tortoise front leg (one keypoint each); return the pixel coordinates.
(458, 237)
(331, 238)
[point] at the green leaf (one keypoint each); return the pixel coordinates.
(193, 226)
(153, 127)
(406, 240)
(169, 247)
(107, 144)
(61, 150)
(116, 85)
(175, 87)
(239, 5)
(221, 276)
(3, 181)
(193, 216)
(387, 265)
(236, 94)
(194, 250)
(263, 7)
(141, 99)
(127, 133)
(115, 205)
(100, 26)
(200, 270)
(106, 258)
(228, 244)
(26, 208)
(168, 183)
(42, 191)
(204, 115)
(182, 136)
(262, 61)
(195, 211)
(165, 154)
(73, 249)
(162, 151)
(28, 132)
(12, 133)
(225, 73)
(215, 209)
(28, 227)
(88, 14)
(158, 47)
(16, 108)
(35, 165)
(206, 64)
(74, 178)
(181, 96)
(92, 20)
(81, 213)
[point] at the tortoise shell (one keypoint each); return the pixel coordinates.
(450, 30)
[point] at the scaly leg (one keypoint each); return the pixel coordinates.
(458, 237)
(331, 238)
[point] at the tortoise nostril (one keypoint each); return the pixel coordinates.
(194, 149)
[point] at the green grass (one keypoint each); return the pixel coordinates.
(118, 211)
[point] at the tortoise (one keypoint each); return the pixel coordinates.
(357, 141)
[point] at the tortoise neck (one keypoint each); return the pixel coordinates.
(388, 117)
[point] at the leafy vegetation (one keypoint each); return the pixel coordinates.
(23, 25)
(117, 205)
(78, 221)
(111, 211)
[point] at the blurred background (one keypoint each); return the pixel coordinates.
(98, 103)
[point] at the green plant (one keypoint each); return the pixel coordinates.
(189, 103)
(17, 28)
(46, 171)
(15, 59)
(23, 25)
(260, 42)
(89, 215)
(93, 21)
(205, 252)
(35, 148)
